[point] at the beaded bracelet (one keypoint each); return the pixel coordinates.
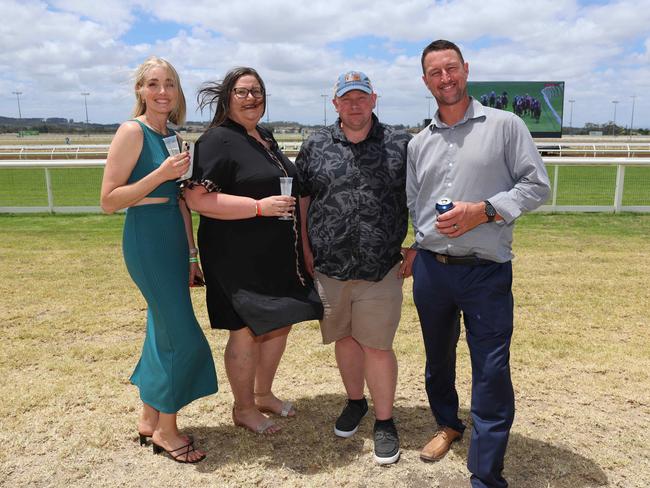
(194, 259)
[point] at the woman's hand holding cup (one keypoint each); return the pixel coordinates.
(277, 206)
(175, 166)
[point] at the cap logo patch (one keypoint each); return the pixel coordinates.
(352, 77)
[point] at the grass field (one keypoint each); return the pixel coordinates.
(73, 325)
(80, 187)
(546, 123)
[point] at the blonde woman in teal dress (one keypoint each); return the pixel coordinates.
(176, 365)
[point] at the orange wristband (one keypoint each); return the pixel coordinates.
(258, 209)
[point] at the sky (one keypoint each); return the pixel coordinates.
(52, 52)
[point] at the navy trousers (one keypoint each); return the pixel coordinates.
(483, 294)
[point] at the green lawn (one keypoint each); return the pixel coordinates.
(578, 185)
(26, 187)
(594, 185)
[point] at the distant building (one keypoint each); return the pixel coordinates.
(286, 129)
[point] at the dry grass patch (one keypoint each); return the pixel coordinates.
(73, 324)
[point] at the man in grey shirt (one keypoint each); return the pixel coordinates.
(486, 162)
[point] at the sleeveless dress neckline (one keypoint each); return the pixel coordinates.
(170, 132)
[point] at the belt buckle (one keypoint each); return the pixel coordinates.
(442, 258)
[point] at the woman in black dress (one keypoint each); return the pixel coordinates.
(255, 281)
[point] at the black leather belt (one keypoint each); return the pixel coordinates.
(466, 260)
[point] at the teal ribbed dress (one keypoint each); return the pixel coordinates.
(176, 365)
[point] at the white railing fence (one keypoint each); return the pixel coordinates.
(594, 149)
(47, 167)
(553, 165)
(556, 155)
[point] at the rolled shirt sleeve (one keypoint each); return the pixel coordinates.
(532, 185)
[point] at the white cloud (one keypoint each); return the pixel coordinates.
(115, 15)
(54, 50)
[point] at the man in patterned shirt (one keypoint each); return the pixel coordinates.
(353, 176)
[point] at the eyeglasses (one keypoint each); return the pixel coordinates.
(241, 92)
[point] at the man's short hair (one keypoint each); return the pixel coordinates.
(440, 45)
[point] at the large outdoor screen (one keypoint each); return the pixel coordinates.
(538, 103)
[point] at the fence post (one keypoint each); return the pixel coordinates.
(48, 186)
(556, 176)
(620, 185)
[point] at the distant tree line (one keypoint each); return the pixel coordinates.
(55, 125)
(608, 128)
(60, 125)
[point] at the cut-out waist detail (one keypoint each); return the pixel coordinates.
(173, 201)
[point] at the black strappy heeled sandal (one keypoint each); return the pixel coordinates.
(185, 451)
(145, 439)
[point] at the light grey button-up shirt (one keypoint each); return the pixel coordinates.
(488, 155)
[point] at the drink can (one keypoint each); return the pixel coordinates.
(444, 205)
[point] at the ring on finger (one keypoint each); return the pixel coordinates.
(455, 226)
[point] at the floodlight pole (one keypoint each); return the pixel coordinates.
(17, 93)
(20, 115)
(267, 108)
(85, 95)
(429, 111)
(571, 102)
(324, 110)
(633, 97)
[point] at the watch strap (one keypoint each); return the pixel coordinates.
(490, 211)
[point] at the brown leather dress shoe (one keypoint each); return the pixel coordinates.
(437, 447)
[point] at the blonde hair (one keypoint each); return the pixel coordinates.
(177, 115)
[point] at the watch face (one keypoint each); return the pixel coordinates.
(490, 211)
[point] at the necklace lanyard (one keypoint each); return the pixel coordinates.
(275, 159)
(279, 164)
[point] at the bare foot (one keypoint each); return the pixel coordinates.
(268, 402)
(253, 420)
(178, 448)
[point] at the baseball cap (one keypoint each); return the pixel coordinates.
(352, 80)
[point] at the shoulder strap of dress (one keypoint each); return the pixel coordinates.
(146, 128)
(142, 125)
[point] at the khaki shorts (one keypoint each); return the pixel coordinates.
(369, 311)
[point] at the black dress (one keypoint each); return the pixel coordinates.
(253, 267)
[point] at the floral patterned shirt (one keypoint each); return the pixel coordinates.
(358, 217)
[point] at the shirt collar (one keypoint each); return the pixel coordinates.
(474, 111)
(376, 131)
